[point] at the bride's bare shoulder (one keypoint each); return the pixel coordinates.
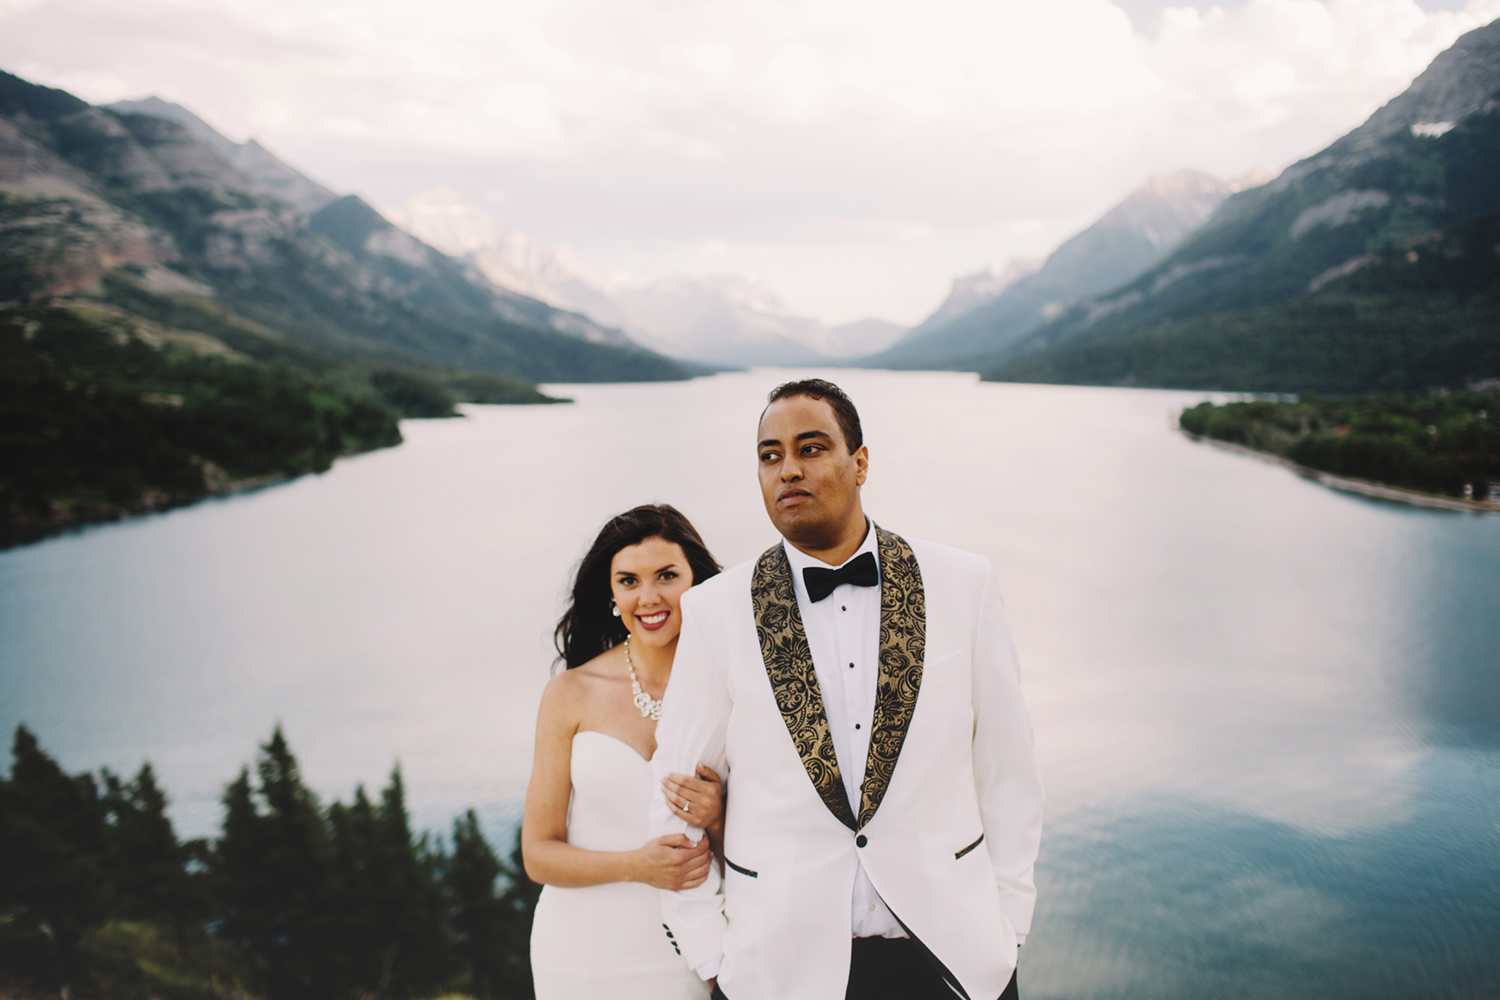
(576, 686)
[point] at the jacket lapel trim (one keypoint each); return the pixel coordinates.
(903, 641)
(794, 682)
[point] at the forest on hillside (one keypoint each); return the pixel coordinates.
(294, 900)
(105, 413)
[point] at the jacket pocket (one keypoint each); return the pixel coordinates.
(743, 871)
(966, 850)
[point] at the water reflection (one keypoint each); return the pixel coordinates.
(1267, 713)
(1239, 906)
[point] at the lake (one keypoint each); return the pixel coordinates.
(1268, 714)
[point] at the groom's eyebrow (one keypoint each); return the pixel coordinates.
(805, 435)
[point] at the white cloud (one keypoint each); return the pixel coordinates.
(801, 124)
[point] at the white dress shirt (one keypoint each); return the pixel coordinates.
(843, 634)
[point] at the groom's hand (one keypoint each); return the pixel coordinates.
(672, 862)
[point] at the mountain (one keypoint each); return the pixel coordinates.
(1126, 240)
(727, 320)
(275, 178)
(1364, 267)
(508, 257)
(107, 203)
(250, 158)
(719, 320)
(970, 291)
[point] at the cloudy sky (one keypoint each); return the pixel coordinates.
(857, 154)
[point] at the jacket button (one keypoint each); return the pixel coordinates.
(860, 841)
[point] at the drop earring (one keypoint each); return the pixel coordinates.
(614, 608)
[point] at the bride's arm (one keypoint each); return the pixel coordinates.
(671, 862)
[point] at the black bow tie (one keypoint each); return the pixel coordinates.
(860, 571)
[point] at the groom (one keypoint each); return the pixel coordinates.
(860, 695)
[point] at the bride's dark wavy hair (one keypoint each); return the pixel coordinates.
(589, 627)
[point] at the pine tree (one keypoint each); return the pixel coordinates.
(271, 872)
(408, 901)
(146, 862)
(519, 900)
(477, 917)
(51, 860)
(353, 952)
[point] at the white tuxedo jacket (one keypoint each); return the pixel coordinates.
(950, 815)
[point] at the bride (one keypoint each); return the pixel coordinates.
(598, 930)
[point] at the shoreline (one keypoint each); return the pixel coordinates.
(27, 530)
(1363, 487)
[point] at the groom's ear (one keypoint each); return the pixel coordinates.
(861, 465)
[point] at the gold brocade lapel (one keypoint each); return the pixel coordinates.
(903, 640)
(783, 647)
(794, 682)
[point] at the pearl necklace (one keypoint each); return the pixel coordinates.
(650, 707)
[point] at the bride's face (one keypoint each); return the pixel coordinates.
(647, 581)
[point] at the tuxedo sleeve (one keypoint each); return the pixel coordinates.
(694, 719)
(1006, 777)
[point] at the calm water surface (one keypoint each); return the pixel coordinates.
(1268, 714)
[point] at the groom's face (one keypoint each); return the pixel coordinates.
(808, 479)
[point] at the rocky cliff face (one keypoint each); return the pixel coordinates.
(56, 235)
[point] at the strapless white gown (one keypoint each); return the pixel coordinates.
(607, 941)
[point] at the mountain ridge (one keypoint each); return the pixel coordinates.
(88, 191)
(1121, 243)
(280, 180)
(714, 319)
(1288, 256)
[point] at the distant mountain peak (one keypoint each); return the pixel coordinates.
(1254, 179)
(723, 319)
(970, 291)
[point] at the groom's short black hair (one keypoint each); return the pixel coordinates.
(842, 406)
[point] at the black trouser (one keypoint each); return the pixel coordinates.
(895, 969)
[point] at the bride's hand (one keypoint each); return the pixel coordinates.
(672, 862)
(699, 801)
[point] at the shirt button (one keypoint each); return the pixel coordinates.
(843, 607)
(856, 725)
(872, 907)
(851, 666)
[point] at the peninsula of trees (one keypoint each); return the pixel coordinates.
(1447, 445)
